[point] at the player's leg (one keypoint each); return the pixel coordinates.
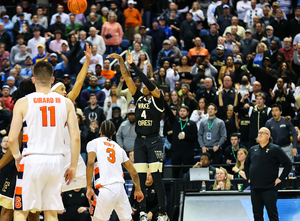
(34, 216)
(50, 215)
(20, 215)
(257, 205)
(6, 214)
(176, 159)
(122, 207)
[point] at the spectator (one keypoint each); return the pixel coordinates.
(294, 23)
(147, 40)
(66, 80)
(36, 24)
(260, 52)
(73, 27)
(112, 33)
(224, 20)
(238, 73)
(259, 34)
(184, 70)
(93, 22)
(107, 88)
(287, 50)
(231, 152)
(212, 135)
(104, 13)
(200, 113)
(126, 93)
(5, 69)
(267, 18)
(57, 43)
(248, 45)
(238, 169)
(58, 67)
(227, 52)
(256, 20)
(184, 138)
(116, 119)
(211, 40)
(284, 97)
(245, 86)
(87, 77)
(126, 134)
(101, 79)
(209, 92)
(118, 13)
(174, 23)
(254, 11)
(172, 74)
(198, 50)
(163, 26)
(5, 118)
(137, 51)
(137, 39)
(143, 61)
(58, 25)
(35, 42)
(93, 10)
(5, 37)
(218, 60)
(198, 81)
(93, 111)
(230, 41)
(161, 79)
(175, 48)
(97, 40)
(11, 83)
(19, 10)
(95, 59)
(235, 23)
(20, 57)
(282, 131)
(267, 40)
(112, 101)
(226, 70)
(6, 100)
(3, 53)
(211, 10)
(222, 181)
(40, 55)
(242, 7)
(188, 32)
(93, 88)
(175, 100)
(106, 72)
(26, 32)
(166, 54)
(219, 9)
(118, 75)
(256, 89)
(43, 20)
(64, 17)
(8, 26)
(281, 26)
(198, 15)
(133, 20)
(234, 36)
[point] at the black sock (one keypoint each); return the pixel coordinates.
(142, 204)
(161, 193)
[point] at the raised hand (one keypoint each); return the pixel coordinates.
(115, 56)
(129, 58)
(88, 51)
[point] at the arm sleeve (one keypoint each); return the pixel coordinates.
(223, 133)
(195, 116)
(169, 113)
(201, 133)
(247, 164)
(144, 79)
(82, 60)
(91, 147)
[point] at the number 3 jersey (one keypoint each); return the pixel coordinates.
(43, 124)
(108, 163)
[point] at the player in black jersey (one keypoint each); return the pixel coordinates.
(148, 146)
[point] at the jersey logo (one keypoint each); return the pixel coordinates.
(159, 154)
(93, 116)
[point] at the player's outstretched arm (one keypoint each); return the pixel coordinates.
(138, 194)
(81, 76)
(15, 128)
(125, 73)
(89, 175)
(151, 87)
(75, 141)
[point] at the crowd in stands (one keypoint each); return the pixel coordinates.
(227, 68)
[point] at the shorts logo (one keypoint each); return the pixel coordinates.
(92, 208)
(18, 199)
(159, 154)
(5, 186)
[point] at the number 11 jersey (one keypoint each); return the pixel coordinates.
(43, 124)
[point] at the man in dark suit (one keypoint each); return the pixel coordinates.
(93, 23)
(77, 52)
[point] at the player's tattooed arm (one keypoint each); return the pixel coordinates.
(134, 175)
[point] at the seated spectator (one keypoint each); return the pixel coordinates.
(126, 134)
(218, 60)
(5, 70)
(76, 206)
(34, 43)
(5, 119)
(204, 162)
(3, 53)
(27, 70)
(21, 57)
(73, 27)
(166, 54)
(112, 101)
(259, 32)
(184, 70)
(26, 32)
(107, 88)
(260, 51)
(36, 24)
(43, 20)
(243, 125)
(161, 79)
(101, 79)
(64, 17)
(93, 111)
(97, 40)
(231, 152)
(66, 80)
(238, 169)
(212, 135)
(16, 49)
(138, 38)
(116, 119)
(200, 113)
(93, 9)
(8, 26)
(58, 25)
(112, 33)
(93, 88)
(56, 44)
(106, 72)
(93, 131)
(208, 92)
(163, 26)
(226, 70)
(18, 28)
(240, 29)
(198, 50)
(287, 49)
(11, 83)
(137, 50)
(286, 69)
(222, 181)
(6, 98)
(229, 41)
(104, 11)
(270, 36)
(95, 59)
(5, 37)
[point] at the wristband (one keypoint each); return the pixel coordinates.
(18, 155)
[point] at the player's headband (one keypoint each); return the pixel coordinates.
(55, 86)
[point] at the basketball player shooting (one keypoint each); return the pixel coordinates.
(148, 146)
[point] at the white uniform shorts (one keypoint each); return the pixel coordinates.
(80, 177)
(39, 183)
(111, 197)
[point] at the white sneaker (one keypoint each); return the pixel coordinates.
(163, 218)
(144, 216)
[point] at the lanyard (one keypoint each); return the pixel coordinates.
(209, 127)
(182, 127)
(233, 152)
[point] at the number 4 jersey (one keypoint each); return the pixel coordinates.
(108, 163)
(43, 125)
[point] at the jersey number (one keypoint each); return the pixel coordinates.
(112, 155)
(45, 116)
(144, 114)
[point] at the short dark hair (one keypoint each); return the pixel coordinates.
(277, 105)
(98, 65)
(235, 135)
(206, 154)
(259, 23)
(106, 59)
(259, 94)
(42, 71)
(173, 10)
(58, 32)
(36, 29)
(107, 128)
(212, 104)
(20, 36)
(93, 95)
(185, 107)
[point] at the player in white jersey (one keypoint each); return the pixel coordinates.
(105, 158)
(40, 166)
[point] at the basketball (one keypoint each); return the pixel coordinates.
(77, 6)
